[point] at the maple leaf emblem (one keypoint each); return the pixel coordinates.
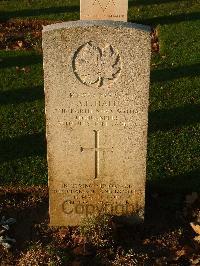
(95, 66)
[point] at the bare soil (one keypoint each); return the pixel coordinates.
(26, 34)
(166, 237)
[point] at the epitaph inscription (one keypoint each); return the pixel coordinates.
(96, 119)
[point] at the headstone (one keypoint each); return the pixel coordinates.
(96, 91)
(104, 10)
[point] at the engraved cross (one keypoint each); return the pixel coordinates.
(97, 151)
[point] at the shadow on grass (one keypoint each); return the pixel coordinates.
(174, 118)
(165, 199)
(15, 148)
(148, 2)
(21, 95)
(20, 61)
(168, 19)
(37, 12)
(184, 183)
(175, 73)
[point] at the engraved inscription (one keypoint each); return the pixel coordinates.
(101, 112)
(106, 5)
(97, 149)
(110, 198)
(95, 66)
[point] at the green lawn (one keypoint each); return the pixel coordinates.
(45, 9)
(22, 139)
(174, 115)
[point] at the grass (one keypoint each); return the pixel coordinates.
(174, 129)
(22, 137)
(45, 9)
(174, 120)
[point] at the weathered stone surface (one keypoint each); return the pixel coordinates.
(104, 10)
(96, 89)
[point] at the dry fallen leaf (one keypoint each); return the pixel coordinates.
(63, 233)
(195, 261)
(155, 47)
(196, 228)
(183, 252)
(146, 241)
(78, 239)
(180, 253)
(20, 43)
(25, 69)
(197, 238)
(15, 47)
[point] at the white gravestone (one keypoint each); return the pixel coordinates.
(104, 10)
(96, 92)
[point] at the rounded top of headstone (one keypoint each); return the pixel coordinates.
(92, 23)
